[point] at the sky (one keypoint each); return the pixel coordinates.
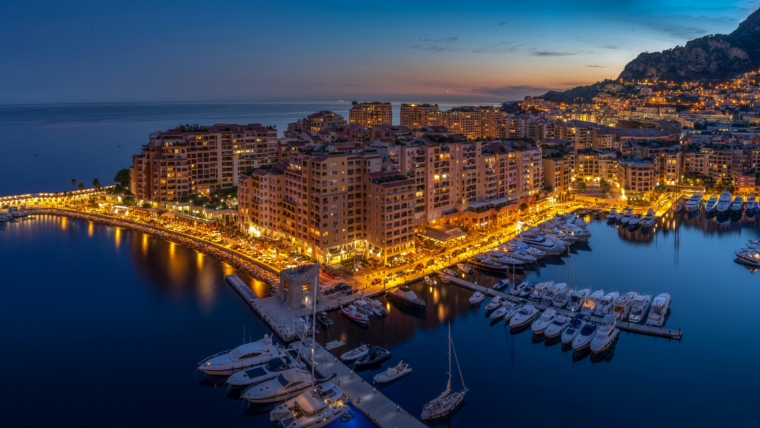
(254, 51)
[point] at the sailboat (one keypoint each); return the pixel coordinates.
(448, 402)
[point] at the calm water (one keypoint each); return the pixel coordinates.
(88, 141)
(104, 327)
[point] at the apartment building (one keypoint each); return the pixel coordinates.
(195, 159)
(716, 162)
(416, 116)
(389, 207)
(596, 164)
(636, 175)
(315, 122)
(558, 172)
(370, 114)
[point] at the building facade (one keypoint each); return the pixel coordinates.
(370, 114)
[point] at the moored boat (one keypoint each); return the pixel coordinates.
(711, 204)
(587, 333)
(576, 300)
(405, 296)
(604, 306)
(622, 305)
(543, 321)
(392, 373)
(464, 267)
(659, 310)
(242, 357)
(589, 305)
(724, 202)
(477, 297)
(355, 353)
(352, 313)
(557, 326)
(524, 316)
(639, 307)
(375, 355)
(605, 336)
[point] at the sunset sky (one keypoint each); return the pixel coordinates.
(489, 51)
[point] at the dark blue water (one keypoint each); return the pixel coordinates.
(104, 327)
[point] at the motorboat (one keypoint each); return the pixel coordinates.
(445, 278)
(324, 320)
(375, 355)
(244, 356)
(583, 339)
(263, 372)
(521, 246)
(527, 290)
(364, 307)
(288, 384)
(503, 283)
(392, 373)
(750, 257)
(604, 306)
(557, 326)
(552, 292)
(562, 299)
(622, 305)
(486, 263)
(649, 220)
(543, 244)
(352, 313)
(620, 215)
(627, 216)
(507, 259)
(522, 256)
(694, 203)
(449, 272)
(355, 353)
(464, 267)
(639, 308)
(511, 312)
(573, 328)
(376, 306)
(577, 234)
(724, 202)
(589, 305)
(577, 299)
(679, 206)
(405, 296)
(635, 220)
(428, 280)
(738, 204)
(751, 203)
(448, 402)
(495, 302)
(539, 290)
(524, 316)
(317, 408)
(659, 310)
(612, 214)
(501, 310)
(477, 297)
(605, 336)
(543, 321)
(711, 204)
(517, 287)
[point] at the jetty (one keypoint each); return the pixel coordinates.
(241, 287)
(667, 333)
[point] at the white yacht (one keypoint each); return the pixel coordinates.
(694, 203)
(751, 203)
(552, 292)
(477, 297)
(659, 310)
(563, 298)
(263, 372)
(711, 204)
(604, 306)
(543, 244)
(573, 328)
(517, 287)
(738, 204)
(524, 316)
(612, 214)
(623, 305)
(557, 326)
(515, 245)
(242, 357)
(639, 307)
(511, 312)
(589, 305)
(620, 215)
(749, 257)
(505, 282)
(635, 220)
(464, 267)
(494, 303)
(521, 255)
(288, 384)
(315, 408)
(605, 336)
(627, 216)
(649, 220)
(539, 290)
(449, 272)
(501, 310)
(546, 318)
(583, 339)
(576, 300)
(448, 402)
(724, 203)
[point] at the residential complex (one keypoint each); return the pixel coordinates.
(370, 114)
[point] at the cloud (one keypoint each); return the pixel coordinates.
(552, 53)
(596, 66)
(452, 44)
(437, 45)
(502, 23)
(444, 40)
(679, 31)
(610, 47)
(511, 90)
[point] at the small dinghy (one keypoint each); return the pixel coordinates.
(355, 354)
(428, 280)
(375, 355)
(400, 370)
(322, 318)
(477, 298)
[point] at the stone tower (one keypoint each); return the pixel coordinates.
(297, 285)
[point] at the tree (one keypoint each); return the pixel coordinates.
(582, 186)
(523, 206)
(96, 183)
(81, 186)
(548, 189)
(122, 178)
(73, 182)
(604, 185)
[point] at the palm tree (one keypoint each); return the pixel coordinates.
(81, 186)
(96, 183)
(73, 182)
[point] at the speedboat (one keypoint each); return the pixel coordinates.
(375, 355)
(604, 306)
(352, 313)
(635, 220)
(521, 255)
(449, 272)
(751, 204)
(639, 307)
(477, 297)
(355, 353)
(556, 327)
(627, 216)
(540, 289)
(543, 244)
(378, 307)
(694, 203)
(511, 312)
(562, 299)
(517, 287)
(546, 318)
(392, 373)
(573, 328)
(583, 339)
(576, 300)
(679, 206)
(659, 310)
(612, 214)
(623, 305)
(502, 310)
(738, 204)
(649, 220)
(589, 305)
(605, 336)
(464, 267)
(552, 292)
(445, 278)
(724, 203)
(242, 357)
(428, 280)
(527, 290)
(405, 296)
(324, 320)
(494, 303)
(364, 307)
(711, 204)
(317, 408)
(524, 316)
(521, 246)
(749, 257)
(288, 384)
(262, 373)
(501, 284)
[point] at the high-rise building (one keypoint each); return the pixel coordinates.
(370, 114)
(315, 122)
(416, 116)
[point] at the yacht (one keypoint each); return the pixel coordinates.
(573, 328)
(503, 283)
(378, 307)
(639, 307)
(405, 296)
(605, 336)
(751, 203)
(622, 305)
(583, 339)
(751, 257)
(449, 272)
(576, 300)
(552, 292)
(589, 305)
(649, 220)
(515, 245)
(242, 357)
(635, 220)
(521, 255)
(352, 313)
(316, 408)
(501, 310)
(563, 298)
(679, 206)
(524, 316)
(448, 402)
(540, 289)
(557, 326)
(495, 303)
(627, 216)
(509, 259)
(711, 204)
(612, 214)
(543, 244)
(511, 312)
(486, 263)
(477, 297)
(620, 215)
(392, 373)
(694, 203)
(724, 203)
(464, 267)
(288, 384)
(604, 306)
(262, 373)
(528, 290)
(543, 321)
(738, 204)
(517, 287)
(659, 310)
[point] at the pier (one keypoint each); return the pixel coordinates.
(667, 333)
(241, 287)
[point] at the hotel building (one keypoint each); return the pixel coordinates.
(370, 114)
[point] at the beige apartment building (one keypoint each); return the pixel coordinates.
(636, 175)
(416, 116)
(596, 164)
(315, 122)
(195, 159)
(370, 114)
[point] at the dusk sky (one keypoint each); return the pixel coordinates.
(489, 51)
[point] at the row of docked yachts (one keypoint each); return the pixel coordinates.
(628, 218)
(750, 254)
(720, 204)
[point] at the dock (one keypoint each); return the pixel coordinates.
(242, 288)
(363, 395)
(667, 333)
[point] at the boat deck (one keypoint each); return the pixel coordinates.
(622, 325)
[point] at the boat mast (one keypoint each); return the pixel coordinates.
(313, 337)
(461, 376)
(448, 385)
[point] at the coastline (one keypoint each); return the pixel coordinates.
(238, 261)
